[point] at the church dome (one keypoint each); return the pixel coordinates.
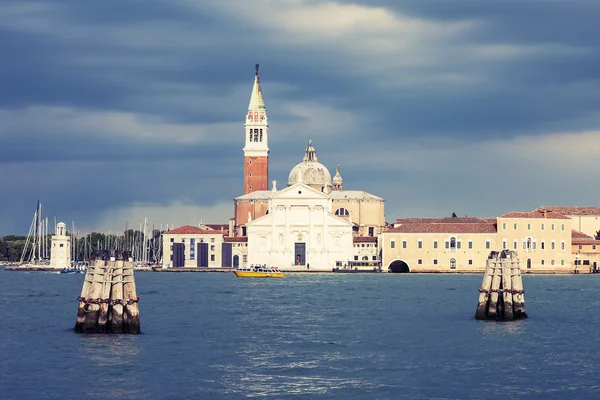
(310, 171)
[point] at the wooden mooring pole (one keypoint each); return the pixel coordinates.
(501, 296)
(108, 302)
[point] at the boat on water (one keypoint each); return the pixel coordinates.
(353, 267)
(71, 271)
(355, 270)
(258, 271)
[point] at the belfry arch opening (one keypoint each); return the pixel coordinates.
(399, 267)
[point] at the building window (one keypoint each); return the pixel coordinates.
(404, 244)
(371, 231)
(172, 240)
(562, 245)
(470, 262)
(212, 247)
(552, 227)
(250, 187)
(593, 247)
(342, 212)
(420, 244)
(562, 262)
(504, 226)
(562, 227)
(355, 258)
(435, 244)
(470, 244)
(374, 258)
(62, 245)
(261, 135)
(365, 258)
(243, 231)
(552, 245)
(452, 243)
(250, 162)
(515, 245)
(515, 226)
(435, 261)
(528, 227)
(245, 258)
(543, 227)
(212, 257)
(420, 261)
(488, 244)
(250, 174)
(552, 262)
(542, 262)
(392, 244)
(504, 244)
(192, 249)
(543, 245)
(452, 263)
(212, 240)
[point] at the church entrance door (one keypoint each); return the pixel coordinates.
(299, 253)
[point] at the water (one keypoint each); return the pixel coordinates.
(307, 336)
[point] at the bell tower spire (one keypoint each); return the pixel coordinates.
(256, 150)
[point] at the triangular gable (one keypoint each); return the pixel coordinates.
(299, 191)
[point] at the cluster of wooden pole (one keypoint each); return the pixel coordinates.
(108, 301)
(501, 296)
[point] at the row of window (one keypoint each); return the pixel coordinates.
(453, 244)
(531, 244)
(542, 226)
(365, 245)
(452, 262)
(593, 247)
(365, 258)
(212, 240)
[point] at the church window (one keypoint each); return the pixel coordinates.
(250, 187)
(342, 212)
(250, 174)
(365, 258)
(261, 135)
(250, 136)
(250, 162)
(256, 135)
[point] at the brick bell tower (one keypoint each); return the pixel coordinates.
(256, 150)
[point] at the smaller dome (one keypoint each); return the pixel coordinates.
(337, 179)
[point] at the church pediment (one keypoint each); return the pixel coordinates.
(299, 191)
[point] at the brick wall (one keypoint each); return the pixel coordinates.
(256, 174)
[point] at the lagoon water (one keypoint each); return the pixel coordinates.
(307, 336)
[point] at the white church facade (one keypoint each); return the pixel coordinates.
(299, 230)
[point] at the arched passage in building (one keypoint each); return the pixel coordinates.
(236, 261)
(399, 267)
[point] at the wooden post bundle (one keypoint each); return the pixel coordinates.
(501, 296)
(108, 301)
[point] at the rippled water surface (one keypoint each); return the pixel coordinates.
(346, 336)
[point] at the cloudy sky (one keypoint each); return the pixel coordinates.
(112, 111)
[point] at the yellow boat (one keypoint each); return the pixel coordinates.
(258, 272)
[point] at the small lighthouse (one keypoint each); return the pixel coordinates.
(60, 253)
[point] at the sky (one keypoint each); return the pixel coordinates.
(113, 111)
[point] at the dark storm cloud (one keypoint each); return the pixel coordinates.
(516, 69)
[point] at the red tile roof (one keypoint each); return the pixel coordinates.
(364, 239)
(585, 241)
(567, 210)
(482, 227)
(236, 239)
(192, 230)
(444, 220)
(579, 235)
(218, 227)
(534, 214)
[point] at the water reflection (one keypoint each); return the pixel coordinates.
(116, 357)
(502, 327)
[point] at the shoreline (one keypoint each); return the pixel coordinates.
(295, 270)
